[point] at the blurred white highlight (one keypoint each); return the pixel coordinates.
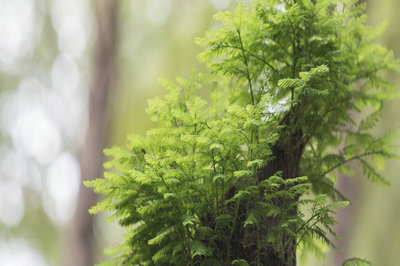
(62, 183)
(70, 21)
(19, 253)
(37, 134)
(16, 31)
(11, 203)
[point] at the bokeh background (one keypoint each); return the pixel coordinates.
(75, 76)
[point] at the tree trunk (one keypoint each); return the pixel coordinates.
(348, 188)
(287, 155)
(79, 251)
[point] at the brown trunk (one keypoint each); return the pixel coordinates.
(287, 154)
(79, 250)
(348, 187)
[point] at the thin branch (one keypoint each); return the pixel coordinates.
(250, 53)
(356, 157)
(247, 67)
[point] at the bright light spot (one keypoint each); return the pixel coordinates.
(16, 20)
(15, 167)
(72, 36)
(65, 76)
(37, 134)
(278, 107)
(158, 11)
(27, 121)
(68, 83)
(12, 205)
(220, 4)
(63, 181)
(281, 7)
(15, 103)
(70, 22)
(19, 253)
(64, 8)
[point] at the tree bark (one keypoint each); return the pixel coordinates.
(79, 251)
(287, 155)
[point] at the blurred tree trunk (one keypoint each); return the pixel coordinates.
(79, 250)
(349, 187)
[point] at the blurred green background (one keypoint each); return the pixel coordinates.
(48, 64)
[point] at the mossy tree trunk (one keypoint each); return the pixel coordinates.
(286, 154)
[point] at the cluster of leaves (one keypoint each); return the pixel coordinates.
(277, 69)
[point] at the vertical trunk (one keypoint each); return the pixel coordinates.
(348, 187)
(79, 251)
(344, 216)
(287, 155)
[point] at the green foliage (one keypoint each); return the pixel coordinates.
(356, 262)
(285, 80)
